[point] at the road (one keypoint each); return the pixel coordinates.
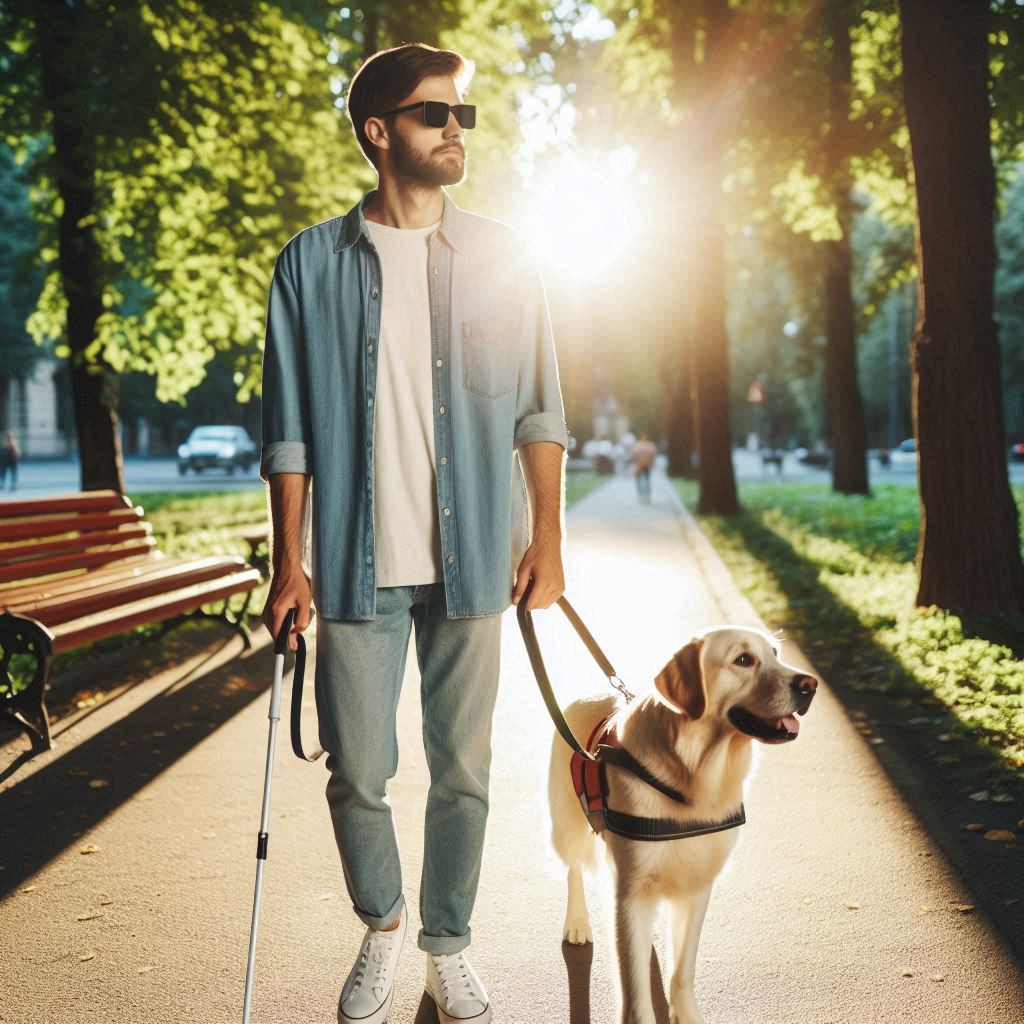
(38, 478)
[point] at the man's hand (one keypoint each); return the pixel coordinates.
(289, 588)
(543, 561)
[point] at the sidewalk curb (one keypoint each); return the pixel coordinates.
(732, 602)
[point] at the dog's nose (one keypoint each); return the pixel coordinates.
(804, 685)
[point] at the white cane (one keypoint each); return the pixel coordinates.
(261, 846)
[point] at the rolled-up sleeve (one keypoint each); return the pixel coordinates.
(540, 415)
(287, 437)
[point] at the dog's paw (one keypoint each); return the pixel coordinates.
(685, 1015)
(577, 931)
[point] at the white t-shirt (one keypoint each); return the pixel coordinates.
(407, 534)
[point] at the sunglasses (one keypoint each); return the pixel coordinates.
(435, 113)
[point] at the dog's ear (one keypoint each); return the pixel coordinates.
(681, 681)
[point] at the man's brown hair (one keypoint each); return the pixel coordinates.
(386, 77)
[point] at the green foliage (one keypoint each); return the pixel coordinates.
(20, 279)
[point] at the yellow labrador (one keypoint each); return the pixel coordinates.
(725, 688)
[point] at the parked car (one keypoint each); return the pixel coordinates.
(904, 454)
(227, 448)
(1017, 452)
(816, 457)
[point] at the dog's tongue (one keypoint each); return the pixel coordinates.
(790, 723)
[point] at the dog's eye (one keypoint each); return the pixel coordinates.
(746, 658)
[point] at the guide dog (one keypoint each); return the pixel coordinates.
(725, 688)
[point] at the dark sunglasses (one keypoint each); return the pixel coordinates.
(435, 113)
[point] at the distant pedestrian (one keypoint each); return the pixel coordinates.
(643, 455)
(9, 455)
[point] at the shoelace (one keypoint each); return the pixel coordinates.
(454, 974)
(377, 951)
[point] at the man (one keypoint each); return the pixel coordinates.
(409, 369)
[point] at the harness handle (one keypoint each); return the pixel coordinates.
(544, 683)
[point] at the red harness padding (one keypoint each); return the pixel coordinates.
(586, 775)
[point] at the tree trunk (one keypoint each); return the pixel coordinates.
(79, 257)
(844, 406)
(969, 555)
(707, 249)
(678, 420)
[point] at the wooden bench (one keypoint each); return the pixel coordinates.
(79, 567)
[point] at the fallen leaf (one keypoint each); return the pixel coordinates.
(105, 903)
(964, 908)
(938, 977)
(98, 783)
(981, 795)
(209, 835)
(1000, 835)
(89, 849)
(975, 826)
(30, 888)
(907, 974)
(1012, 903)
(1002, 798)
(926, 910)
(78, 771)
(88, 917)
(1020, 824)
(85, 956)
(852, 906)
(142, 970)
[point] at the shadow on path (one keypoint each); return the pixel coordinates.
(45, 813)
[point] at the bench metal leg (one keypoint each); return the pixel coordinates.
(26, 650)
(236, 620)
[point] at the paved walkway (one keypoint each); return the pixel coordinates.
(153, 926)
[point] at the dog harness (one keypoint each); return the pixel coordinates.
(588, 763)
(591, 786)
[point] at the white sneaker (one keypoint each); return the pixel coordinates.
(370, 986)
(459, 994)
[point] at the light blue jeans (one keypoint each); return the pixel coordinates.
(359, 670)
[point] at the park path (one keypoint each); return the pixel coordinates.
(836, 907)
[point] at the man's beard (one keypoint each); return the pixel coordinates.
(430, 171)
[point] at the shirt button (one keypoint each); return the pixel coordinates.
(451, 558)
(369, 559)
(442, 410)
(439, 363)
(447, 511)
(444, 461)
(369, 348)
(374, 291)
(435, 271)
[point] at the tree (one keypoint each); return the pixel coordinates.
(179, 148)
(843, 400)
(969, 555)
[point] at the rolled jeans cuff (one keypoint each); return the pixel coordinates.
(438, 944)
(385, 921)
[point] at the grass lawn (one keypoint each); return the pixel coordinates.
(837, 574)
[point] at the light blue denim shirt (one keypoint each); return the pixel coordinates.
(495, 387)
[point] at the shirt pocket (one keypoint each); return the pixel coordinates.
(488, 357)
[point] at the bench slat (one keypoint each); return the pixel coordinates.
(22, 556)
(118, 620)
(32, 527)
(62, 563)
(118, 592)
(12, 593)
(80, 501)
